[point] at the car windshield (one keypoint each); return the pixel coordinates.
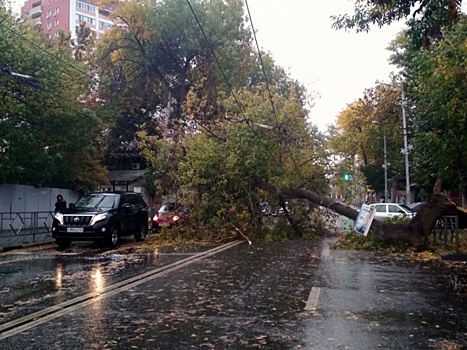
(169, 207)
(97, 201)
(417, 204)
(410, 210)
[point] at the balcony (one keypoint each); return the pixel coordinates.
(36, 12)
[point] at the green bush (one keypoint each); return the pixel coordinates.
(355, 241)
(397, 220)
(280, 232)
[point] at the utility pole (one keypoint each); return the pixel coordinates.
(167, 116)
(406, 152)
(385, 171)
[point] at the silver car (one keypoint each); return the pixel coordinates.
(389, 210)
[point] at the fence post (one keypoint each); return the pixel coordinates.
(35, 220)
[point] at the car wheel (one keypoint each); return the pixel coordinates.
(143, 232)
(63, 243)
(113, 238)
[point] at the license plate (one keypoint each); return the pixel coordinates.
(165, 224)
(75, 229)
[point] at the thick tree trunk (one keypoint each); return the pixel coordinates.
(415, 232)
(437, 186)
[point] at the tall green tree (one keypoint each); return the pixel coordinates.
(157, 54)
(46, 135)
(437, 89)
(358, 137)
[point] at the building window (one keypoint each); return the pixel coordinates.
(49, 25)
(57, 10)
(86, 19)
(56, 22)
(56, 34)
(105, 25)
(49, 13)
(86, 7)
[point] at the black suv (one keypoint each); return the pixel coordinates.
(102, 216)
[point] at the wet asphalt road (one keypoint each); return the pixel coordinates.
(245, 297)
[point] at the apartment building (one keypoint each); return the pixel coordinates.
(66, 15)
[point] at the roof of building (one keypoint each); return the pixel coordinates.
(125, 175)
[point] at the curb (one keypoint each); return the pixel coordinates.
(23, 246)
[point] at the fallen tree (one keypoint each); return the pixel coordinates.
(415, 232)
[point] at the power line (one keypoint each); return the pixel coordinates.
(262, 66)
(225, 77)
(48, 53)
(75, 104)
(215, 57)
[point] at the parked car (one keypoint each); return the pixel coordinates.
(416, 206)
(102, 216)
(167, 216)
(389, 210)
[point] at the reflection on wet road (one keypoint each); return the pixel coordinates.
(248, 296)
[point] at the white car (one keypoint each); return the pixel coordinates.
(389, 210)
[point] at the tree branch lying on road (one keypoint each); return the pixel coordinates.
(414, 232)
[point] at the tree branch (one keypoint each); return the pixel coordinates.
(415, 232)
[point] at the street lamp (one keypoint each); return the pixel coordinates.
(385, 166)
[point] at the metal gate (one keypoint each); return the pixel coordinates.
(447, 229)
(22, 228)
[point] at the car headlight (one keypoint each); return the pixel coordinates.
(175, 218)
(59, 218)
(96, 218)
(155, 217)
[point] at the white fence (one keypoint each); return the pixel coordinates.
(26, 213)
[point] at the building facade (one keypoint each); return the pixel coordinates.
(66, 15)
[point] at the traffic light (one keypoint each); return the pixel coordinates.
(346, 177)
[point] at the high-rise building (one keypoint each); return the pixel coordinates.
(53, 15)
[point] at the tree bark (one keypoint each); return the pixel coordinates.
(437, 186)
(414, 232)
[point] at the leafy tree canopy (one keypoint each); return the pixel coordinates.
(437, 90)
(46, 134)
(358, 138)
(218, 173)
(428, 16)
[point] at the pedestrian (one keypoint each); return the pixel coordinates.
(60, 204)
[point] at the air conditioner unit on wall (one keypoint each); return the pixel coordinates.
(135, 166)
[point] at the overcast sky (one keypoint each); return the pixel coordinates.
(338, 65)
